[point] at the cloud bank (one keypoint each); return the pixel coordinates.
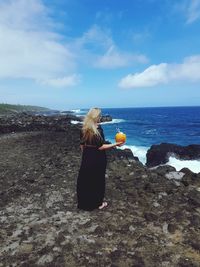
(164, 73)
(29, 46)
(67, 81)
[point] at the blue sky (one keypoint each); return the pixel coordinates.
(67, 54)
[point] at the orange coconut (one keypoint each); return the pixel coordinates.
(120, 137)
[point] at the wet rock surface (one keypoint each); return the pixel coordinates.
(159, 154)
(153, 217)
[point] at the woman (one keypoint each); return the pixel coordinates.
(91, 177)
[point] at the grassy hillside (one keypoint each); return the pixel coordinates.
(9, 109)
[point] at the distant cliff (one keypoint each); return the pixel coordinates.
(11, 109)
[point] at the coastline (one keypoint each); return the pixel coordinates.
(152, 219)
(146, 127)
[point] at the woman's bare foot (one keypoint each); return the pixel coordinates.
(103, 205)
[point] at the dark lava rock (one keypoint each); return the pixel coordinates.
(105, 118)
(121, 154)
(185, 262)
(187, 171)
(27, 122)
(150, 216)
(149, 221)
(159, 154)
(195, 220)
(194, 197)
(162, 170)
(172, 228)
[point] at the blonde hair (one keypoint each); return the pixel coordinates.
(89, 124)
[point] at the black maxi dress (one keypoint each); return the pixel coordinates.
(91, 178)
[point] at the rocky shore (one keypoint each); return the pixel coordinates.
(153, 217)
(159, 154)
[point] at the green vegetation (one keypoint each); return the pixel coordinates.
(10, 109)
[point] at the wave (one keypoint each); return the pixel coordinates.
(75, 122)
(141, 151)
(193, 165)
(150, 131)
(79, 111)
(106, 122)
(76, 110)
(138, 151)
(114, 121)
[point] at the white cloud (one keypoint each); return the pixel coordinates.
(104, 16)
(164, 73)
(95, 39)
(114, 58)
(26, 14)
(140, 37)
(190, 9)
(193, 11)
(29, 47)
(66, 81)
(99, 50)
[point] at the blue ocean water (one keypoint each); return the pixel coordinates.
(147, 126)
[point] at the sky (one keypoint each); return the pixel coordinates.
(68, 54)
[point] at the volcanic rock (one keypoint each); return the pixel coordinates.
(159, 154)
(149, 221)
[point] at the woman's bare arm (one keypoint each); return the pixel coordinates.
(108, 146)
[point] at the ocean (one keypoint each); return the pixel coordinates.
(148, 126)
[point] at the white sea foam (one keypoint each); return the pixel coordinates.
(107, 122)
(114, 121)
(76, 110)
(138, 151)
(141, 151)
(151, 131)
(193, 165)
(79, 111)
(75, 122)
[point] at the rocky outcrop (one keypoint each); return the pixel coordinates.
(105, 118)
(127, 154)
(27, 122)
(152, 218)
(159, 154)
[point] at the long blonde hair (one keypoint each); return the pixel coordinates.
(89, 124)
